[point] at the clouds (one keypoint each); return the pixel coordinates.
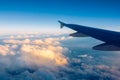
(32, 57)
(37, 52)
(4, 49)
(48, 58)
(43, 56)
(84, 71)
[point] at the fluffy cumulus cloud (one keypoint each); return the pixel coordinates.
(36, 52)
(33, 58)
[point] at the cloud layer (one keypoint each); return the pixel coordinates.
(27, 58)
(36, 56)
(36, 52)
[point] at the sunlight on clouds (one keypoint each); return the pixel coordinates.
(4, 49)
(46, 59)
(33, 58)
(47, 52)
(34, 54)
(7, 49)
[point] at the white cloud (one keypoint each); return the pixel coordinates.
(4, 49)
(47, 52)
(43, 56)
(22, 57)
(85, 56)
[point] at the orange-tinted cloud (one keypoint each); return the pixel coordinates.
(39, 52)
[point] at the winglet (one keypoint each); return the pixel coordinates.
(61, 24)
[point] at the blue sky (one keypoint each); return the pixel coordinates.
(42, 15)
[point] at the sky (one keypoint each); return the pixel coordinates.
(42, 15)
(56, 56)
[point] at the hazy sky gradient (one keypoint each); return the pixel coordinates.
(42, 15)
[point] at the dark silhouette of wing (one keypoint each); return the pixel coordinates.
(111, 39)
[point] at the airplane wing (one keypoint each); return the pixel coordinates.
(111, 39)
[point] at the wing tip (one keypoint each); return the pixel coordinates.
(59, 21)
(61, 24)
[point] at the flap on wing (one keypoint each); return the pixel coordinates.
(107, 47)
(77, 34)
